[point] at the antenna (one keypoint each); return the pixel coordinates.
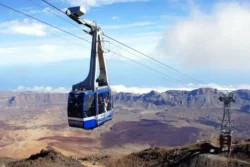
(226, 132)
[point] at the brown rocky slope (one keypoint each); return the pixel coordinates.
(46, 158)
(194, 155)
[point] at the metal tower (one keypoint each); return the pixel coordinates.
(226, 124)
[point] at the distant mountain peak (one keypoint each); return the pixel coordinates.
(152, 93)
(198, 98)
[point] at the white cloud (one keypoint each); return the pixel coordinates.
(219, 39)
(37, 52)
(48, 48)
(145, 42)
(137, 90)
(91, 3)
(188, 87)
(42, 89)
(25, 27)
(54, 50)
(34, 11)
(8, 50)
(122, 26)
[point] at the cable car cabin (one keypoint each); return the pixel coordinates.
(88, 110)
(90, 101)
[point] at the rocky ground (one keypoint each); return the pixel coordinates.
(46, 158)
(194, 155)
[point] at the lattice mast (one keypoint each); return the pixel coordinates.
(226, 131)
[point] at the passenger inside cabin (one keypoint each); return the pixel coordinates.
(106, 104)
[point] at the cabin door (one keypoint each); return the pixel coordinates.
(103, 107)
(100, 117)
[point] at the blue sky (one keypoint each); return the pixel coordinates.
(207, 40)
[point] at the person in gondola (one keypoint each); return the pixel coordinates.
(106, 104)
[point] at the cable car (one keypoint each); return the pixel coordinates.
(90, 101)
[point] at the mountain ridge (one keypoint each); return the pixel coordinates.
(197, 98)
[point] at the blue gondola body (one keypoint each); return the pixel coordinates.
(79, 117)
